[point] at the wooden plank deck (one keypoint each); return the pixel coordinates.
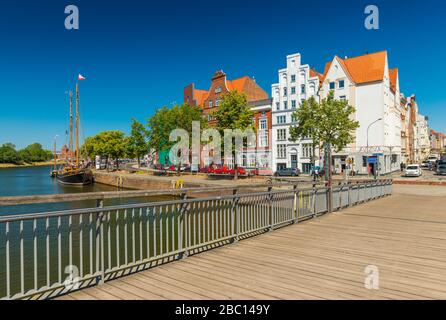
(403, 235)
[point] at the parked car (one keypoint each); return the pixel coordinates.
(222, 170)
(241, 171)
(426, 165)
(441, 169)
(413, 170)
(287, 172)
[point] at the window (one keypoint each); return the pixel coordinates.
(341, 84)
(277, 105)
(281, 134)
(312, 89)
(263, 138)
(217, 102)
(332, 85)
(211, 104)
(293, 90)
(307, 150)
(285, 91)
(210, 118)
(281, 151)
(293, 78)
(218, 89)
(285, 105)
(293, 104)
(302, 89)
(293, 118)
(281, 119)
(263, 124)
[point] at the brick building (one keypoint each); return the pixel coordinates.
(258, 100)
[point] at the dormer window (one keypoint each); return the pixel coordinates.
(218, 89)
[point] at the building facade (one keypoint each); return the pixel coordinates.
(369, 85)
(258, 156)
(296, 83)
(437, 142)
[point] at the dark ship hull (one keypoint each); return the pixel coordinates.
(75, 178)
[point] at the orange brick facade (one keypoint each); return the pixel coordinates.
(258, 100)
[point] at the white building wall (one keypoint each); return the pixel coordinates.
(284, 104)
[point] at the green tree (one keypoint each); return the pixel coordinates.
(165, 120)
(328, 123)
(8, 154)
(35, 153)
(108, 144)
(233, 113)
(137, 144)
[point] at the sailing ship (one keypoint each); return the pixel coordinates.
(74, 173)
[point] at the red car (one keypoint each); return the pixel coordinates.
(222, 170)
(240, 171)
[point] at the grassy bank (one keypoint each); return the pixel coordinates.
(25, 165)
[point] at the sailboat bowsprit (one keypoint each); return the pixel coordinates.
(74, 173)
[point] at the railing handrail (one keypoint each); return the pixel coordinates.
(60, 213)
(73, 197)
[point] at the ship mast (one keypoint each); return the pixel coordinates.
(77, 125)
(71, 126)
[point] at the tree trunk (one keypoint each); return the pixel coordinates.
(117, 164)
(139, 162)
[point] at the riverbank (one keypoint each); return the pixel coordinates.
(148, 181)
(26, 165)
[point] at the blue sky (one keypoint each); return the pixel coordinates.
(138, 55)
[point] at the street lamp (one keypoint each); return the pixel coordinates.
(367, 157)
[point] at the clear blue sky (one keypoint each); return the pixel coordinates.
(138, 55)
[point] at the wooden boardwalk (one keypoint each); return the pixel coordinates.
(325, 258)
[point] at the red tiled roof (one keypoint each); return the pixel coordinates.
(363, 69)
(393, 73)
(200, 96)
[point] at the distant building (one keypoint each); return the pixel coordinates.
(438, 142)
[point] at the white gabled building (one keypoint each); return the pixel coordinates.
(368, 84)
(422, 140)
(297, 82)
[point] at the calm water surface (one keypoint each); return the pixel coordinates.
(37, 181)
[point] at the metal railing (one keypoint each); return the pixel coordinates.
(44, 255)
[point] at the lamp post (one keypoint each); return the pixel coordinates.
(367, 156)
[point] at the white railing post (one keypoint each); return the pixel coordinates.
(182, 235)
(234, 216)
(100, 243)
(271, 211)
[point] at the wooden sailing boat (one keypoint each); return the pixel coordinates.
(74, 173)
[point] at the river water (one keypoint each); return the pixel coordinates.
(37, 181)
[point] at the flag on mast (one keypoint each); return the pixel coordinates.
(81, 77)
